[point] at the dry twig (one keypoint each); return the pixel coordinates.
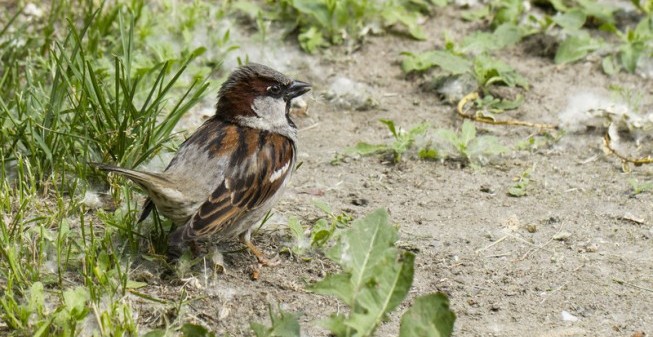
(489, 120)
(607, 140)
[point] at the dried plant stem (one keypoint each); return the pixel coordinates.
(607, 140)
(489, 120)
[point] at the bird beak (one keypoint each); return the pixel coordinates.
(296, 89)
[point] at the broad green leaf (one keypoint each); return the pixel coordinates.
(467, 132)
(446, 60)
(505, 35)
(323, 206)
(429, 316)
(195, 330)
(609, 66)
(629, 56)
(155, 333)
(394, 14)
(392, 282)
(368, 241)
(135, 284)
(448, 135)
(489, 70)
(509, 11)
(336, 325)
(575, 47)
(36, 297)
(296, 228)
(571, 20)
(484, 146)
(316, 9)
(284, 324)
(338, 285)
(365, 149)
(476, 14)
(75, 300)
(600, 12)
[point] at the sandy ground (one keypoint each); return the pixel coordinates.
(578, 243)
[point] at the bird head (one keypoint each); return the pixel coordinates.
(258, 96)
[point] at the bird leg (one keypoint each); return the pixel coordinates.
(246, 239)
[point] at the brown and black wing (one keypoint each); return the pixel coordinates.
(262, 163)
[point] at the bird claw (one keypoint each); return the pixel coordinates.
(262, 259)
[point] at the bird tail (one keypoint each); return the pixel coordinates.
(152, 181)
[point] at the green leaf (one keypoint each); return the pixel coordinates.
(318, 10)
(418, 130)
(429, 316)
(394, 14)
(467, 132)
(135, 284)
(155, 333)
(609, 66)
(75, 301)
(284, 324)
(628, 56)
(486, 145)
(575, 47)
(296, 228)
(495, 105)
(391, 284)
(505, 35)
(517, 191)
(368, 241)
(571, 20)
(338, 285)
(446, 60)
(195, 330)
(365, 149)
(312, 39)
(336, 325)
(323, 206)
(391, 126)
(450, 136)
(36, 297)
(428, 153)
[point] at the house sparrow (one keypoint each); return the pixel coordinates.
(228, 174)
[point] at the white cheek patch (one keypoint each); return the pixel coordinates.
(278, 173)
(271, 116)
(273, 110)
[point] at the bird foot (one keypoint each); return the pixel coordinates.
(260, 256)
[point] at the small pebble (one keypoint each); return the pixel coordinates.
(562, 236)
(566, 316)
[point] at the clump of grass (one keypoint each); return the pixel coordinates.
(465, 146)
(322, 23)
(522, 183)
(78, 85)
(318, 236)
(403, 141)
(639, 187)
(90, 108)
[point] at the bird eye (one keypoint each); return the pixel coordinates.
(274, 90)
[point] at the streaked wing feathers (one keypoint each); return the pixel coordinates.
(251, 182)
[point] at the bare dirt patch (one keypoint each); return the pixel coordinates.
(571, 258)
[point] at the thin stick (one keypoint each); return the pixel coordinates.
(622, 282)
